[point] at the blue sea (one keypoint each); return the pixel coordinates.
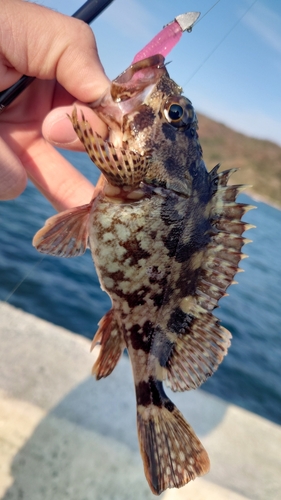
(67, 292)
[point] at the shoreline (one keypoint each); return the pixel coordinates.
(67, 436)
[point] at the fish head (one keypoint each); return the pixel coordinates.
(126, 97)
(147, 114)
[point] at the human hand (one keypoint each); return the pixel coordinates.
(61, 52)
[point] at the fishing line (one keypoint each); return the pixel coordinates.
(24, 278)
(202, 17)
(221, 41)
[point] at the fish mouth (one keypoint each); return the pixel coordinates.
(126, 93)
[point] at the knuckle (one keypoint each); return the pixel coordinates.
(84, 32)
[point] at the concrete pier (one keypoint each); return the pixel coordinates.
(64, 436)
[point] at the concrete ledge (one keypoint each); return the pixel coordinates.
(65, 436)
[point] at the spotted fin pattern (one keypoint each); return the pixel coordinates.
(171, 452)
(64, 234)
(121, 167)
(112, 345)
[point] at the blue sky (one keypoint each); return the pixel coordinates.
(229, 66)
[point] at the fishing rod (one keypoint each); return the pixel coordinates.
(89, 11)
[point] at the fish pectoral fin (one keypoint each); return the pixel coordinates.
(64, 234)
(111, 343)
(171, 452)
(120, 166)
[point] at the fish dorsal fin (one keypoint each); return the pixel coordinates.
(64, 234)
(198, 342)
(121, 167)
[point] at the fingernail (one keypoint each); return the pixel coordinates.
(60, 131)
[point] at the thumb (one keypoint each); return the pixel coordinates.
(38, 42)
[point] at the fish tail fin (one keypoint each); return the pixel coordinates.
(171, 452)
(111, 343)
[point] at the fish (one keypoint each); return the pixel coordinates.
(166, 238)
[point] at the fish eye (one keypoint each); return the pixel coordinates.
(175, 112)
(179, 112)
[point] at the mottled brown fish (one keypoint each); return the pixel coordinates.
(166, 239)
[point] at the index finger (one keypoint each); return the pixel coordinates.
(60, 182)
(66, 50)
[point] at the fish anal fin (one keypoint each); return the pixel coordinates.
(171, 452)
(111, 343)
(64, 234)
(120, 166)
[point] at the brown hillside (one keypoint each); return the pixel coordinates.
(259, 160)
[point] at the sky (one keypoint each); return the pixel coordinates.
(229, 66)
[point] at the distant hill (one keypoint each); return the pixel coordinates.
(259, 161)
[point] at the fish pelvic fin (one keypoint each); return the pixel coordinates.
(120, 166)
(64, 234)
(172, 453)
(112, 344)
